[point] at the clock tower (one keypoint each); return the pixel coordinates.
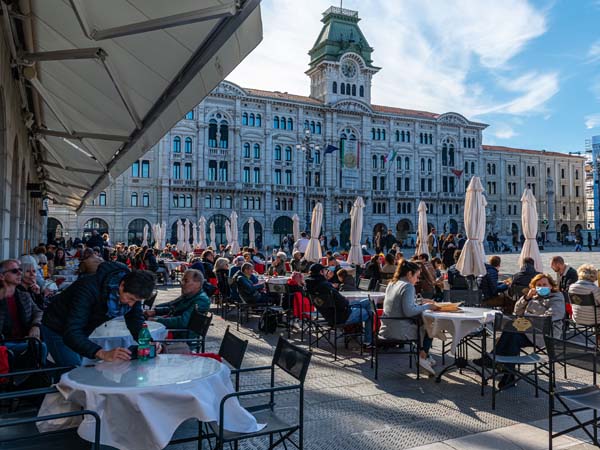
(340, 60)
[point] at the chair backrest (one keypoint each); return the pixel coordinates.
(363, 284)
(533, 325)
(233, 349)
(582, 299)
(321, 300)
(292, 359)
(149, 302)
(277, 288)
(517, 290)
(199, 322)
(382, 287)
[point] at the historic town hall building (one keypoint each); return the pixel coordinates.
(256, 152)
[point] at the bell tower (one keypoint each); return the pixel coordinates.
(340, 60)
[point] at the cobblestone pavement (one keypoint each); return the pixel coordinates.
(346, 408)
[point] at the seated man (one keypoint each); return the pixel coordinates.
(455, 279)
(19, 315)
(177, 313)
(278, 265)
(298, 263)
(493, 290)
(336, 303)
(251, 292)
(523, 277)
(566, 275)
(113, 291)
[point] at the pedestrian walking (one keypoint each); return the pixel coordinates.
(589, 242)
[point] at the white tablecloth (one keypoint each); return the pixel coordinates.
(275, 280)
(173, 265)
(114, 333)
(458, 324)
(141, 403)
(356, 296)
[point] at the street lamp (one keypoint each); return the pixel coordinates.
(307, 145)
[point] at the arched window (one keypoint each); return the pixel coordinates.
(212, 133)
(277, 203)
(224, 130)
(465, 142)
(466, 167)
(429, 165)
(181, 200)
(218, 203)
(382, 160)
(282, 123)
(494, 169)
(146, 199)
(188, 145)
(134, 199)
(245, 119)
(532, 171)
(246, 150)
(102, 199)
(318, 127)
(135, 232)
(473, 167)
(407, 163)
(422, 164)
(208, 201)
(256, 151)
(176, 144)
(334, 87)
(256, 202)
(312, 126)
(444, 154)
(228, 202)
(347, 88)
(258, 120)
(276, 122)
(373, 134)
(374, 161)
(288, 153)
(361, 91)
(451, 155)
(397, 136)
(245, 203)
(383, 135)
(343, 88)
(176, 171)
(290, 123)
(251, 121)
(251, 202)
(354, 90)
(306, 125)
(188, 201)
(348, 206)
(187, 171)
(175, 201)
(408, 136)
(317, 157)
(256, 175)
(277, 153)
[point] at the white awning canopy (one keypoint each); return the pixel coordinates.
(109, 78)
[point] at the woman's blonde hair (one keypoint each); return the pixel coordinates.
(540, 276)
(587, 272)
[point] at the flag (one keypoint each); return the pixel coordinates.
(330, 149)
(457, 172)
(390, 156)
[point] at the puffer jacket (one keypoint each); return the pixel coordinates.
(553, 305)
(180, 310)
(29, 313)
(82, 307)
(584, 315)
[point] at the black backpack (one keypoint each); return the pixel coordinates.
(268, 321)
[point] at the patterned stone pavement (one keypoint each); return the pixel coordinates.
(347, 409)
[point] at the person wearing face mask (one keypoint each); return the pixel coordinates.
(543, 299)
(401, 301)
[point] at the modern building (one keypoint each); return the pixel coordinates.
(255, 152)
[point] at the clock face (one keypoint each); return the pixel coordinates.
(348, 69)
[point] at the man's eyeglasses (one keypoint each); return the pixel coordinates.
(13, 271)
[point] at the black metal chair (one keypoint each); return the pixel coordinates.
(292, 360)
(535, 328)
(199, 324)
(232, 350)
(585, 304)
(576, 401)
(323, 329)
(246, 305)
(285, 300)
(363, 284)
(19, 427)
(394, 346)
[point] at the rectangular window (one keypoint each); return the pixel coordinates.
(175, 201)
(309, 178)
(212, 170)
(451, 184)
(176, 171)
(422, 184)
(246, 175)
(562, 190)
(444, 184)
(374, 183)
(135, 169)
(317, 179)
(256, 175)
(576, 191)
(430, 185)
(187, 171)
(382, 183)
(145, 200)
(277, 179)
(288, 177)
(145, 169)
(223, 171)
(398, 184)
(407, 184)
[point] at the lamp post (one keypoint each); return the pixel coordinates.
(307, 145)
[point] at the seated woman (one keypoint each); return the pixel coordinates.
(586, 285)
(373, 272)
(347, 282)
(401, 301)
(278, 265)
(389, 267)
(543, 299)
(28, 281)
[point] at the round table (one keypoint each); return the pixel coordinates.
(356, 296)
(174, 265)
(458, 324)
(142, 403)
(114, 333)
(274, 280)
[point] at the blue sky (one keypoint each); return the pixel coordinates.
(529, 69)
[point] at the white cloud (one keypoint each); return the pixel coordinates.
(503, 131)
(434, 57)
(594, 52)
(592, 121)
